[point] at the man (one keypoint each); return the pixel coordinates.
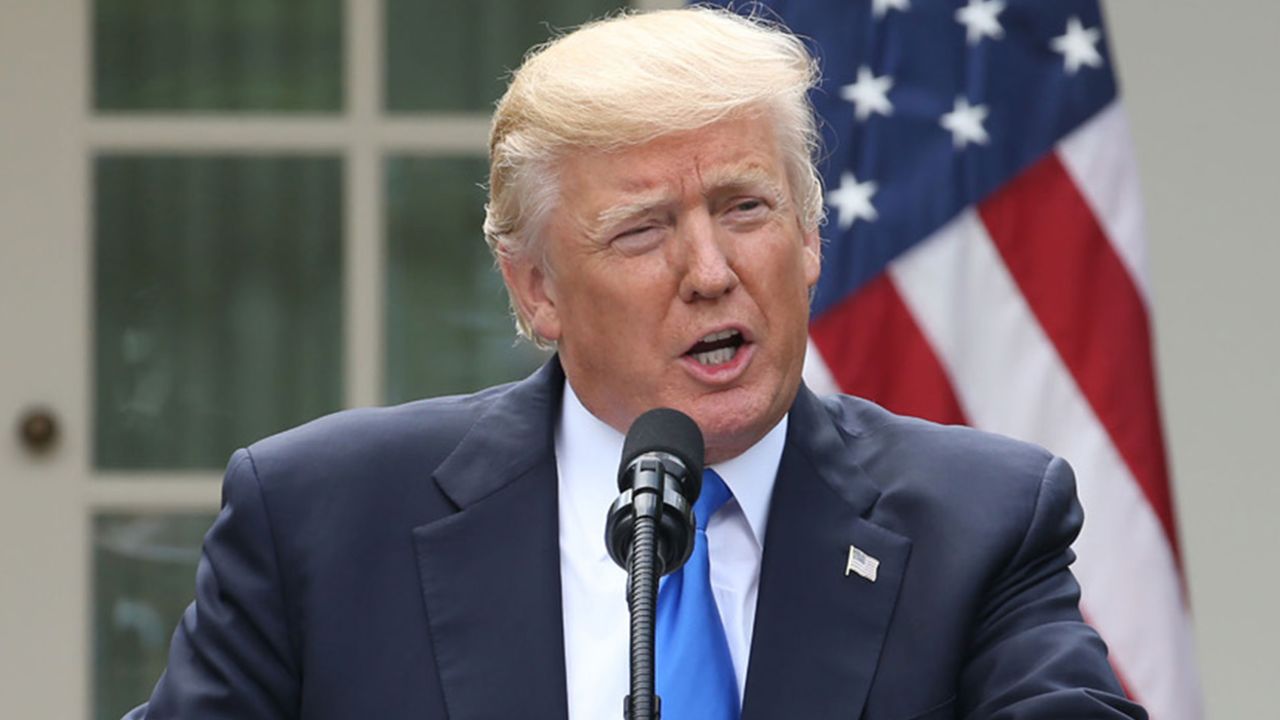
(654, 211)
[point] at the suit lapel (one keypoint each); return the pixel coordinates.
(818, 631)
(490, 572)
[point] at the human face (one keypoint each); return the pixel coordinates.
(677, 274)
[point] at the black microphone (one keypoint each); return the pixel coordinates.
(660, 476)
(650, 531)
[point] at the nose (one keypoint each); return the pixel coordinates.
(708, 269)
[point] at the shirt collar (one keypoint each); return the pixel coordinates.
(750, 476)
(588, 452)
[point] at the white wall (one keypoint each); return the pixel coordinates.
(1199, 78)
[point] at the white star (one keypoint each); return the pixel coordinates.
(965, 123)
(1078, 46)
(869, 94)
(880, 7)
(981, 18)
(852, 200)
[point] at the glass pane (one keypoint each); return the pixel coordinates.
(204, 55)
(218, 311)
(143, 577)
(448, 329)
(455, 56)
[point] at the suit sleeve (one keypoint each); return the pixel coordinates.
(1033, 657)
(232, 655)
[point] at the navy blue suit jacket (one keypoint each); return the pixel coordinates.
(403, 563)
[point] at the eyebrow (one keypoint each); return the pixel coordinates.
(744, 177)
(634, 208)
(726, 179)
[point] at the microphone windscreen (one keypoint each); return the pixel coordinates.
(669, 431)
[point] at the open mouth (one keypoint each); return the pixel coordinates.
(717, 347)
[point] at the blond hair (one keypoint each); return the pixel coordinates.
(629, 79)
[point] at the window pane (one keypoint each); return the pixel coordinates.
(218, 304)
(455, 56)
(448, 329)
(217, 55)
(143, 568)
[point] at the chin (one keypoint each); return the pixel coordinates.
(729, 428)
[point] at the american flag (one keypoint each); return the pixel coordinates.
(985, 264)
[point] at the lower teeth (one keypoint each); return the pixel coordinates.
(715, 357)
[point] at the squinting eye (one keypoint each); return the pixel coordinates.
(637, 240)
(750, 209)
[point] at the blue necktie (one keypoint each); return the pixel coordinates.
(694, 670)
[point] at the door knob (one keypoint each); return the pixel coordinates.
(38, 429)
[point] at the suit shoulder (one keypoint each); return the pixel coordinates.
(950, 486)
(907, 448)
(932, 443)
(417, 434)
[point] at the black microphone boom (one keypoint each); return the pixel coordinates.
(660, 476)
(650, 530)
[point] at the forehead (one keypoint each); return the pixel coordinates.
(727, 153)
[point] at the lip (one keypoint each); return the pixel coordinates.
(747, 337)
(724, 373)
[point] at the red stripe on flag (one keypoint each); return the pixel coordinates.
(875, 350)
(1088, 305)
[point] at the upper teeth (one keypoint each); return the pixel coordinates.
(719, 335)
(715, 357)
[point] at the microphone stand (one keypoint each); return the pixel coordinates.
(650, 531)
(644, 567)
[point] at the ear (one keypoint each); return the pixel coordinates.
(534, 294)
(812, 257)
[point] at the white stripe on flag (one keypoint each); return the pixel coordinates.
(1009, 379)
(816, 373)
(1099, 157)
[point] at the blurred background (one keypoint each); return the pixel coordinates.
(221, 219)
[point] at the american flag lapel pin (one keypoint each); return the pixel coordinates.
(861, 564)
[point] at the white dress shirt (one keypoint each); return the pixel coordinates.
(596, 620)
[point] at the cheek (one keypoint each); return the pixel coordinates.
(603, 312)
(791, 269)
